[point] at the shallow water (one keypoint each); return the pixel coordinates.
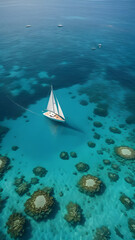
(31, 59)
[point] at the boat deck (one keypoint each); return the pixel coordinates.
(53, 116)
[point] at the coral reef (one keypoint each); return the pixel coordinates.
(2, 202)
(3, 132)
(97, 124)
(39, 171)
(100, 111)
(131, 225)
(18, 181)
(109, 141)
(115, 130)
(125, 152)
(97, 92)
(126, 201)
(74, 215)
(118, 233)
(48, 190)
(16, 225)
(113, 176)
(102, 233)
(82, 167)
(15, 148)
(64, 155)
(22, 188)
(4, 165)
(39, 205)
(34, 180)
(115, 167)
(84, 102)
(96, 136)
(73, 154)
(90, 185)
(130, 180)
(106, 162)
(61, 194)
(91, 144)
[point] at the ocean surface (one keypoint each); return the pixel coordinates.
(90, 62)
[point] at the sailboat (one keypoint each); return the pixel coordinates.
(54, 110)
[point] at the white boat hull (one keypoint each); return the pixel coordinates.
(53, 116)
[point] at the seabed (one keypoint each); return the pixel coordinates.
(96, 91)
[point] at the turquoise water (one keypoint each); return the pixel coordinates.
(31, 59)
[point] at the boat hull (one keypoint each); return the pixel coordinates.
(53, 116)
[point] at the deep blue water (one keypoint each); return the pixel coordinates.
(31, 59)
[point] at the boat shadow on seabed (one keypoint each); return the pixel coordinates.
(54, 125)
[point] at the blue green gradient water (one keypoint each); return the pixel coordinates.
(31, 59)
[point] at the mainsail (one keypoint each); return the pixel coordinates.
(50, 102)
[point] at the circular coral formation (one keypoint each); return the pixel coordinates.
(113, 176)
(4, 164)
(74, 215)
(73, 154)
(115, 167)
(16, 225)
(64, 155)
(98, 124)
(39, 171)
(106, 162)
(90, 185)
(131, 225)
(40, 205)
(91, 144)
(125, 152)
(82, 167)
(102, 233)
(115, 130)
(126, 201)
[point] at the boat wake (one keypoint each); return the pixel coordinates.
(55, 123)
(26, 109)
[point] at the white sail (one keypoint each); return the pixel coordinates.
(60, 110)
(55, 110)
(52, 104)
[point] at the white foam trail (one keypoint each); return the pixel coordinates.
(17, 104)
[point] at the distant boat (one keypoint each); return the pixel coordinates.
(60, 25)
(99, 45)
(54, 110)
(93, 48)
(27, 26)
